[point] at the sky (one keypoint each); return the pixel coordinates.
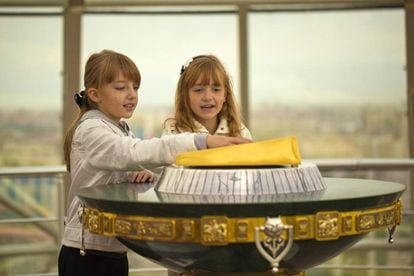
(294, 57)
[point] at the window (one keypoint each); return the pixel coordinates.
(160, 45)
(335, 79)
(30, 90)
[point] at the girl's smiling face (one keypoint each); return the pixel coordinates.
(117, 99)
(206, 102)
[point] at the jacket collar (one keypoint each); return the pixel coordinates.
(222, 127)
(97, 114)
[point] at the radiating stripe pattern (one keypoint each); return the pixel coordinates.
(240, 181)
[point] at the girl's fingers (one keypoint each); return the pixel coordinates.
(142, 176)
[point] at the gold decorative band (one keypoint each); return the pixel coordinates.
(222, 230)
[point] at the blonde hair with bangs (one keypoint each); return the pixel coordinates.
(209, 68)
(100, 69)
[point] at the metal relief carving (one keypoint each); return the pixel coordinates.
(242, 230)
(372, 220)
(108, 224)
(123, 227)
(93, 222)
(214, 230)
(303, 227)
(156, 229)
(220, 230)
(398, 217)
(327, 224)
(187, 230)
(275, 244)
(398, 210)
(347, 224)
(366, 222)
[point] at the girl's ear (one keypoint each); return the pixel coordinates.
(93, 95)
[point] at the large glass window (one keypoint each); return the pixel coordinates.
(30, 90)
(31, 53)
(160, 45)
(335, 79)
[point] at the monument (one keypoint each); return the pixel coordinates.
(269, 218)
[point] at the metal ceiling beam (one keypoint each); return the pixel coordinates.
(120, 3)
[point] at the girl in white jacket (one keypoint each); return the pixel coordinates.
(205, 102)
(100, 149)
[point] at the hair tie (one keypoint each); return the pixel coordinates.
(80, 98)
(185, 66)
(182, 69)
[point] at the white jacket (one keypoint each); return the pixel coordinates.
(222, 129)
(102, 153)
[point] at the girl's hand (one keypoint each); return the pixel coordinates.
(215, 141)
(141, 176)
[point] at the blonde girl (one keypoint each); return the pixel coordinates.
(205, 102)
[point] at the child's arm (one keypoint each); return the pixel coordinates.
(204, 141)
(108, 151)
(214, 141)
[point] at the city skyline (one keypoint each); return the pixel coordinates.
(295, 58)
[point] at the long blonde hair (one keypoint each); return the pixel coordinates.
(100, 69)
(210, 68)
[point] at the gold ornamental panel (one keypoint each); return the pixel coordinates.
(222, 230)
